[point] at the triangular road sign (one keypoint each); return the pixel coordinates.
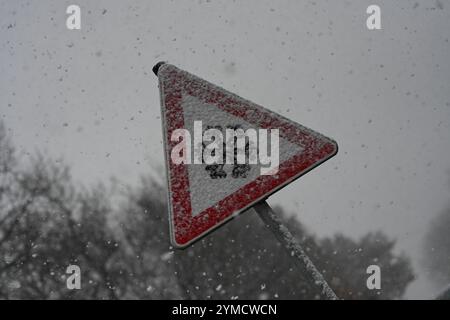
(201, 199)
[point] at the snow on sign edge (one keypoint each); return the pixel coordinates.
(319, 148)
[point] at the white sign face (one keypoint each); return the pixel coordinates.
(205, 191)
(225, 153)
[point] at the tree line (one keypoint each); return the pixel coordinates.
(48, 222)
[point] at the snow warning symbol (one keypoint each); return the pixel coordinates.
(224, 153)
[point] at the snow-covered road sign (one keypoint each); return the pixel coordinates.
(203, 196)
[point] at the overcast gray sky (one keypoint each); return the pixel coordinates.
(89, 95)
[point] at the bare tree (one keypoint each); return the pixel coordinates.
(436, 250)
(48, 223)
(243, 260)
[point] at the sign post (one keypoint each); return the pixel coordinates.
(293, 248)
(225, 154)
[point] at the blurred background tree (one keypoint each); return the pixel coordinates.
(243, 260)
(436, 253)
(48, 223)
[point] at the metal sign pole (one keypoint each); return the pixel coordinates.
(293, 247)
